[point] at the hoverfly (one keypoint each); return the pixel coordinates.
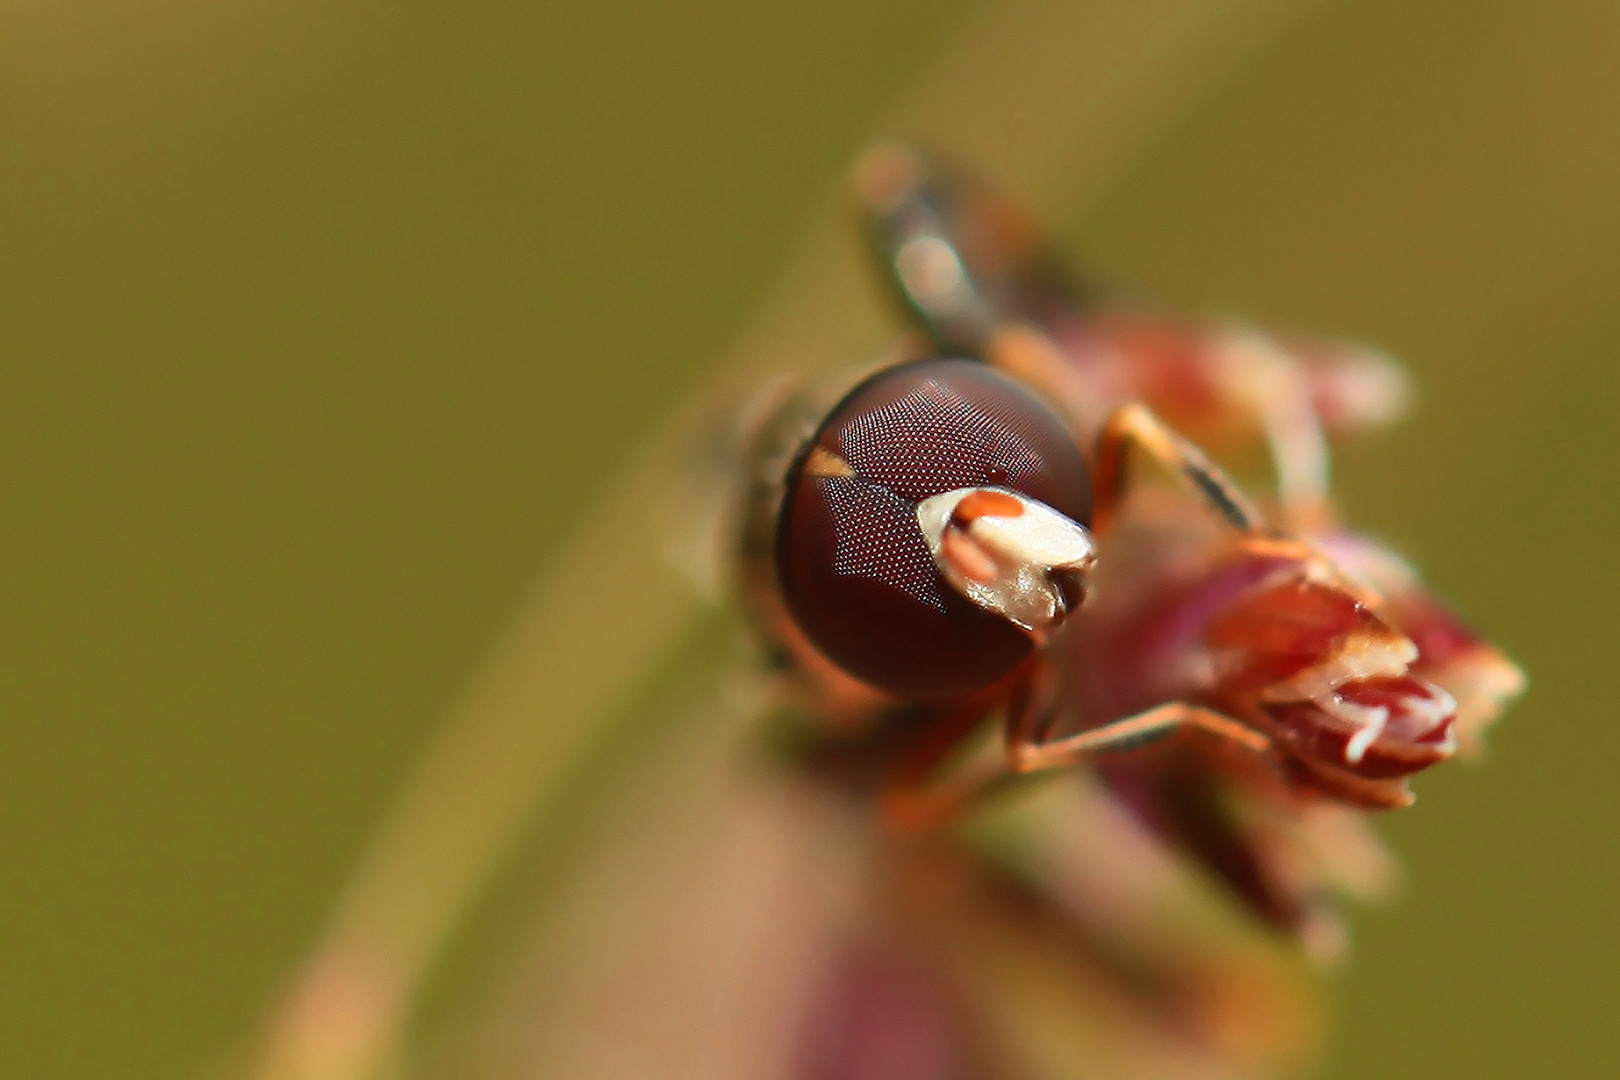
(964, 540)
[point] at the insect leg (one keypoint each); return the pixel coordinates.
(914, 806)
(913, 801)
(916, 796)
(1135, 425)
(1026, 754)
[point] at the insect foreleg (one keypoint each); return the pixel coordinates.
(1026, 754)
(1135, 425)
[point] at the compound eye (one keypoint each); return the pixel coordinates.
(855, 569)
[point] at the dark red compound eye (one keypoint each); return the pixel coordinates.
(855, 571)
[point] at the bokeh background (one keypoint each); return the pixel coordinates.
(320, 319)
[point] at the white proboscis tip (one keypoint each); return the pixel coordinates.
(1023, 553)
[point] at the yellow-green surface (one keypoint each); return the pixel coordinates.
(319, 321)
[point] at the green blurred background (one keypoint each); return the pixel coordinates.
(319, 320)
